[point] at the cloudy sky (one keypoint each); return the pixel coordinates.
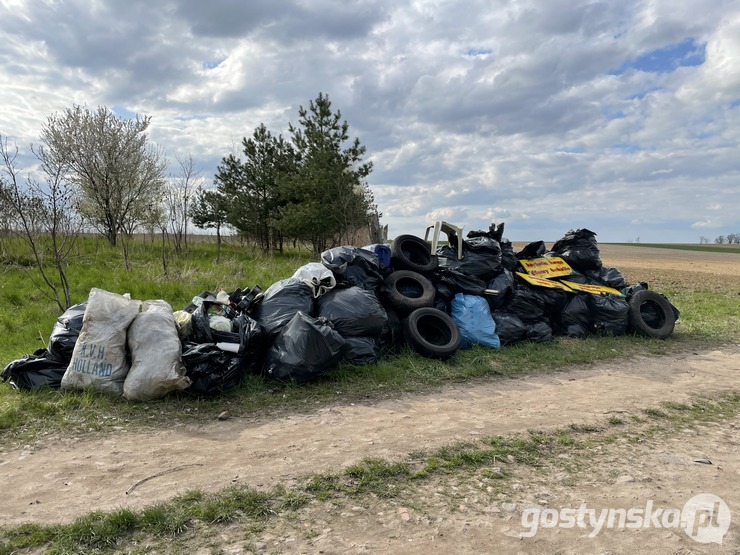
(622, 116)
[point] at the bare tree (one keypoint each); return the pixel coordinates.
(44, 215)
(179, 196)
(6, 216)
(112, 165)
(211, 211)
(703, 240)
(157, 220)
(720, 240)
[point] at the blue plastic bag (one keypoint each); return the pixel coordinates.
(473, 318)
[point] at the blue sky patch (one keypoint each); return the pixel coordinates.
(642, 94)
(667, 59)
(213, 64)
(474, 52)
(627, 147)
(123, 113)
(192, 117)
(573, 150)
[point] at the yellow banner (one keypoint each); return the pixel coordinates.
(546, 267)
(542, 282)
(595, 289)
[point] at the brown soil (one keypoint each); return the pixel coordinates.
(667, 269)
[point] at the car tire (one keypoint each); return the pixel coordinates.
(645, 302)
(406, 291)
(410, 252)
(432, 333)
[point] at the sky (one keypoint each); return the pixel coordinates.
(622, 117)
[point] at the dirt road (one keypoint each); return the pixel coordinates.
(63, 479)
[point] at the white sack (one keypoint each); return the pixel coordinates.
(99, 357)
(156, 367)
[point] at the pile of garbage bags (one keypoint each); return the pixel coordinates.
(355, 305)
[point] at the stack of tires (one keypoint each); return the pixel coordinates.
(408, 296)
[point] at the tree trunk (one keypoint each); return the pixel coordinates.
(112, 237)
(164, 253)
(218, 243)
(124, 247)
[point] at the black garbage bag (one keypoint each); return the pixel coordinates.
(211, 370)
(354, 266)
(575, 318)
(495, 232)
(304, 349)
(353, 311)
(65, 333)
(200, 321)
(361, 350)
(579, 249)
(539, 332)
(630, 290)
(527, 303)
(251, 339)
(554, 300)
(609, 313)
(504, 284)
(34, 371)
(535, 249)
(509, 260)
(612, 277)
(509, 327)
(391, 338)
(481, 257)
(280, 302)
(576, 277)
(442, 297)
(485, 246)
(246, 333)
(459, 282)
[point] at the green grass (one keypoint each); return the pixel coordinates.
(191, 515)
(704, 248)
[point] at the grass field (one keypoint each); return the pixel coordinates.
(709, 317)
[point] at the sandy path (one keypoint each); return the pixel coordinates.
(61, 480)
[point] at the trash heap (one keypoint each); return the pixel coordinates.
(355, 305)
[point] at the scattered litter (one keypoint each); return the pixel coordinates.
(355, 305)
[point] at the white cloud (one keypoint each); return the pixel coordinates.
(471, 111)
